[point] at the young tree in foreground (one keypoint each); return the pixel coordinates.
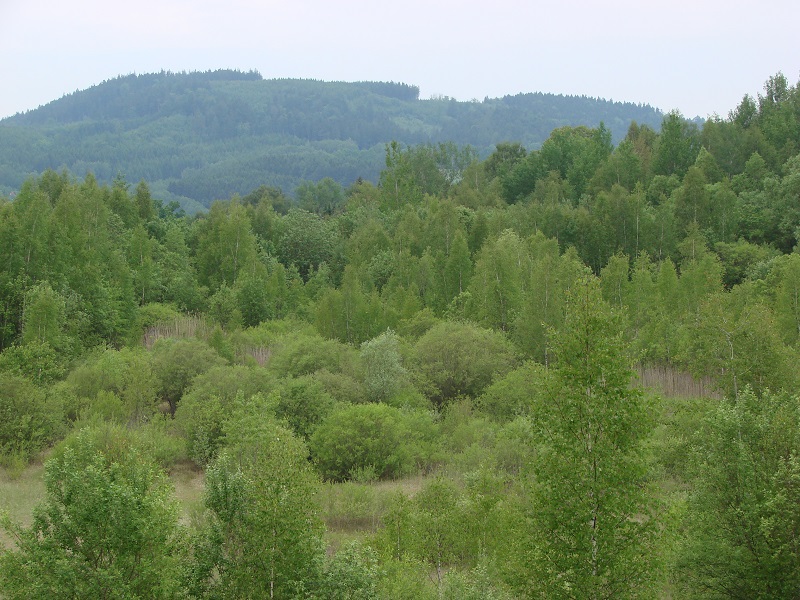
(265, 535)
(592, 527)
(108, 527)
(742, 519)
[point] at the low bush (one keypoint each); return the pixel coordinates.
(391, 441)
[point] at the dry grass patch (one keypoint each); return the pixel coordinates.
(189, 481)
(358, 508)
(20, 491)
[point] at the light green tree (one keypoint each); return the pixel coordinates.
(693, 200)
(592, 526)
(107, 528)
(736, 341)
(457, 268)
(144, 268)
(787, 299)
(325, 197)
(43, 317)
(226, 245)
(30, 418)
(384, 373)
(498, 283)
(551, 275)
(677, 146)
(439, 527)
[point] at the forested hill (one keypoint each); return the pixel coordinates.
(197, 137)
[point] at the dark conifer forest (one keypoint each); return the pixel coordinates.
(508, 363)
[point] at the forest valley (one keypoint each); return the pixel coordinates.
(458, 383)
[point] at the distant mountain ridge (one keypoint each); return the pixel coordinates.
(196, 137)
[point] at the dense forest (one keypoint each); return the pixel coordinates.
(200, 137)
(567, 371)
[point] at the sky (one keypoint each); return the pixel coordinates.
(699, 57)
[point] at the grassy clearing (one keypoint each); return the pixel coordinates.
(354, 511)
(189, 482)
(351, 511)
(20, 491)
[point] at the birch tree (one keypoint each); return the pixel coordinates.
(592, 524)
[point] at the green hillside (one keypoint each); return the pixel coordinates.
(198, 137)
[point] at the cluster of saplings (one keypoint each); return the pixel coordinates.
(421, 389)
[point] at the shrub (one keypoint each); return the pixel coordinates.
(108, 526)
(460, 359)
(393, 442)
(303, 403)
(204, 409)
(30, 418)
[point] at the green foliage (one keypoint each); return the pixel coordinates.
(391, 441)
(341, 387)
(740, 259)
(324, 197)
(499, 281)
(264, 538)
(544, 482)
(593, 528)
(223, 307)
(735, 338)
(38, 361)
(459, 358)
(302, 403)
(305, 352)
(127, 374)
(31, 418)
(575, 153)
(512, 395)
(226, 246)
(156, 313)
(741, 512)
(350, 314)
(437, 522)
(352, 574)
(677, 147)
(384, 373)
(177, 362)
(206, 406)
(406, 580)
(44, 316)
(476, 584)
(305, 241)
(107, 528)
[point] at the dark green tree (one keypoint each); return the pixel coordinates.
(741, 521)
(677, 147)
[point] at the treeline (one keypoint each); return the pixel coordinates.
(200, 137)
(470, 322)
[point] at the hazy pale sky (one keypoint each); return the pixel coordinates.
(700, 56)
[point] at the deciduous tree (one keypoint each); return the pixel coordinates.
(593, 527)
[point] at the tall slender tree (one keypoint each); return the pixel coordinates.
(593, 527)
